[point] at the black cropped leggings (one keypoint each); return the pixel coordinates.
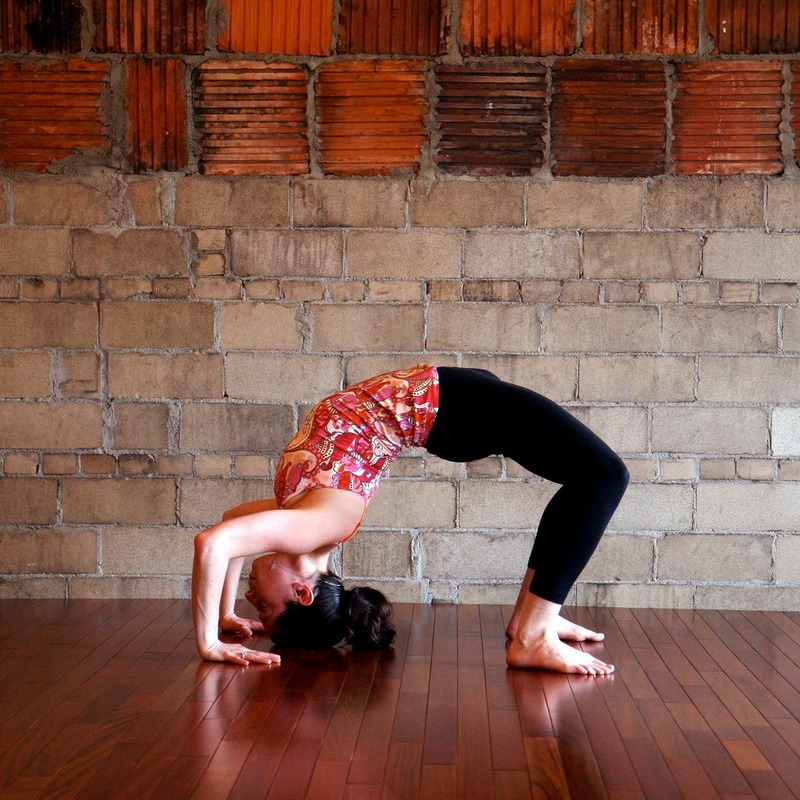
(480, 415)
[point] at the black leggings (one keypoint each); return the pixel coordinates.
(480, 415)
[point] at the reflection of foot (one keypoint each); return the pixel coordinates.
(552, 654)
(566, 630)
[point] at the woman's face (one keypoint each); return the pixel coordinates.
(272, 586)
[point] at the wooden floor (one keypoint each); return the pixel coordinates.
(107, 699)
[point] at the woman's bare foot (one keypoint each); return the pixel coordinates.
(536, 641)
(549, 652)
(572, 632)
(566, 630)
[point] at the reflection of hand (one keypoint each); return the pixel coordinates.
(240, 626)
(237, 654)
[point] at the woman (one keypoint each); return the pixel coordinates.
(333, 465)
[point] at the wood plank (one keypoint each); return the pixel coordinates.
(222, 770)
(534, 713)
(511, 784)
(770, 682)
(403, 770)
(342, 734)
(772, 767)
(440, 781)
(545, 768)
(260, 767)
(616, 769)
(368, 763)
(473, 752)
(328, 781)
(582, 772)
(295, 769)
(441, 721)
(505, 730)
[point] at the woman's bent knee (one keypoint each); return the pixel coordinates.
(616, 475)
(608, 471)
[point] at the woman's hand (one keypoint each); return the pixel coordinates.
(238, 654)
(240, 626)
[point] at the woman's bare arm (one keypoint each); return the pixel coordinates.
(252, 507)
(321, 519)
(229, 621)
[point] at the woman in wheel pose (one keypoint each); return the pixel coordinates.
(330, 470)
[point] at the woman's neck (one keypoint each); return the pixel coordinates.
(307, 565)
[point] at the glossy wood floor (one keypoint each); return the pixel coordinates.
(107, 699)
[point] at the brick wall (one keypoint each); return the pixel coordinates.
(205, 225)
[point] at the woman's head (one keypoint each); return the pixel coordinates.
(316, 610)
(360, 616)
(274, 582)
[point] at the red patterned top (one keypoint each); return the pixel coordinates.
(349, 439)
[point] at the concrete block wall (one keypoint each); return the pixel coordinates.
(161, 337)
(165, 327)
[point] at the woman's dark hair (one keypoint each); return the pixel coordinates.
(360, 616)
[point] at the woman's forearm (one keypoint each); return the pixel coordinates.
(230, 589)
(208, 577)
(215, 575)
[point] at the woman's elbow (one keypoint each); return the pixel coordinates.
(206, 541)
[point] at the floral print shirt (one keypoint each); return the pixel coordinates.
(349, 439)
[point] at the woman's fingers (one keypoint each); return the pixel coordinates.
(257, 657)
(240, 626)
(239, 654)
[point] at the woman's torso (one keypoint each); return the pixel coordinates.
(349, 438)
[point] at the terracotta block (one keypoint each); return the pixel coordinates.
(398, 27)
(50, 111)
(726, 118)
(289, 27)
(150, 26)
(491, 119)
(517, 27)
(155, 99)
(53, 27)
(744, 26)
(251, 118)
(609, 118)
(371, 116)
(659, 27)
